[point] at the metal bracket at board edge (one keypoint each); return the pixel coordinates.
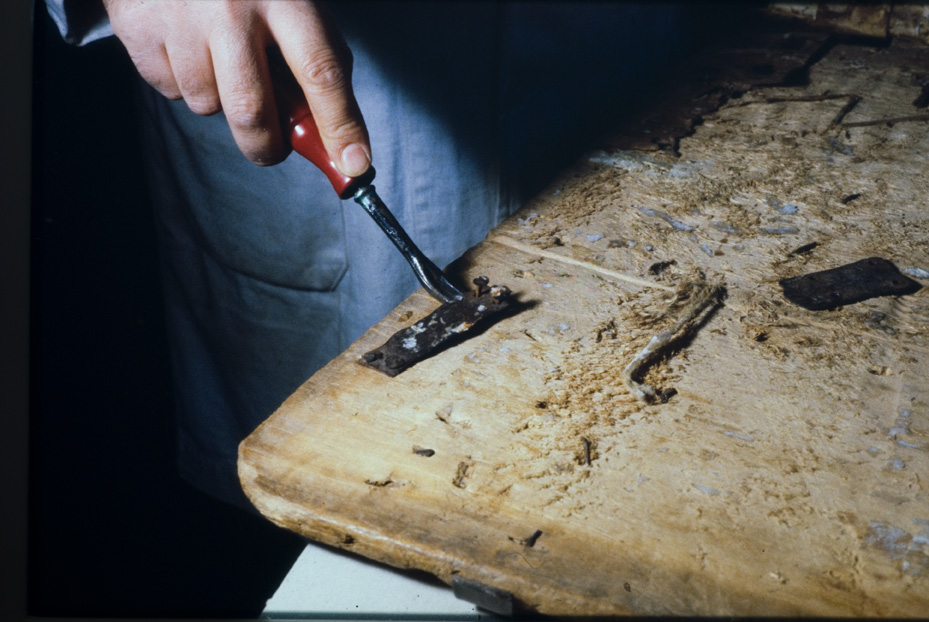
(492, 599)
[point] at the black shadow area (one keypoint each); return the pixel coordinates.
(112, 529)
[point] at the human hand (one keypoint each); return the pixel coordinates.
(214, 55)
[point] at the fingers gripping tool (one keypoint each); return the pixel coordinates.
(305, 140)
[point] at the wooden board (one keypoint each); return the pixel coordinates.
(870, 19)
(786, 475)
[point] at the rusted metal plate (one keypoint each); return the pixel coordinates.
(443, 327)
(848, 284)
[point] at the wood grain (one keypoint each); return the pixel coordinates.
(786, 475)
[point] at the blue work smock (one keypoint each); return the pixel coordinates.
(267, 275)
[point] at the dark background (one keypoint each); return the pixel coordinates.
(112, 530)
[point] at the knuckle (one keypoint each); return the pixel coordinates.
(157, 74)
(267, 158)
(245, 111)
(344, 131)
(200, 99)
(166, 86)
(262, 150)
(203, 105)
(325, 72)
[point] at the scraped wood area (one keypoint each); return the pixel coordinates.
(781, 468)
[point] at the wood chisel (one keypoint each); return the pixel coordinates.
(305, 140)
(458, 313)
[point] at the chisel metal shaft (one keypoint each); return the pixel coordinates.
(305, 140)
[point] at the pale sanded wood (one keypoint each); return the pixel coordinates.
(788, 475)
(870, 19)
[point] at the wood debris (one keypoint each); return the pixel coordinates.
(695, 300)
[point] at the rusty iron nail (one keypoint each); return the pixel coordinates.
(481, 282)
(531, 540)
(527, 542)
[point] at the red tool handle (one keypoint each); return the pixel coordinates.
(304, 138)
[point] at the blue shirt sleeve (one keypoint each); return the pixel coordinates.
(80, 21)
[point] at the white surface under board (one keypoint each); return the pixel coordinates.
(325, 583)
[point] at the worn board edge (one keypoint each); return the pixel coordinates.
(396, 546)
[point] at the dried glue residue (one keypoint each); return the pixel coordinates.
(677, 224)
(708, 490)
(889, 539)
(911, 551)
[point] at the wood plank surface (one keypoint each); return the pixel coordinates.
(786, 472)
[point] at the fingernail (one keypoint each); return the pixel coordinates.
(355, 160)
